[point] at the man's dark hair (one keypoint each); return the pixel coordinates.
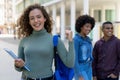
(107, 22)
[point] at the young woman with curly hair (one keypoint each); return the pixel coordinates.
(36, 47)
(25, 28)
(83, 48)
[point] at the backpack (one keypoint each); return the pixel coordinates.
(62, 72)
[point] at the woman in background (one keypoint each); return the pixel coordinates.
(83, 48)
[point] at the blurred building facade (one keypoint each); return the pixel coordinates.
(65, 12)
(1, 12)
(20, 5)
(7, 16)
(2, 21)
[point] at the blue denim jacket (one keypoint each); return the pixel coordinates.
(83, 52)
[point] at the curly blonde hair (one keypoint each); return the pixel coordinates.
(25, 28)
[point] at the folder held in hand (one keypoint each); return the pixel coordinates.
(11, 53)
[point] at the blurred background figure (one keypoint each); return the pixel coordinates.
(106, 54)
(83, 48)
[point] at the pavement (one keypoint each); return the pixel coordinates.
(7, 71)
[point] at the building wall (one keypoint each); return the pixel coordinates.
(6, 16)
(101, 13)
(1, 12)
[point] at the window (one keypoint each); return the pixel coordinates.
(110, 15)
(97, 15)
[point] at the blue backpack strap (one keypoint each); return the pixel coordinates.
(55, 40)
(61, 71)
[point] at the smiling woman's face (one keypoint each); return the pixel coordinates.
(85, 30)
(36, 19)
